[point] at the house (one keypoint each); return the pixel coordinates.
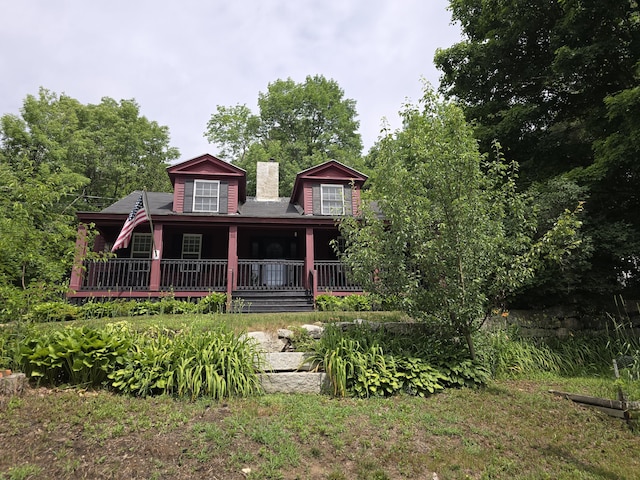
(267, 251)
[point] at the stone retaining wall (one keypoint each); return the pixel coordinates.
(563, 321)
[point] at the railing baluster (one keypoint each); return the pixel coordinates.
(193, 275)
(116, 274)
(332, 275)
(270, 274)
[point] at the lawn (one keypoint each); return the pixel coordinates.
(509, 429)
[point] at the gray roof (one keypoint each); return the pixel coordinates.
(160, 203)
(280, 208)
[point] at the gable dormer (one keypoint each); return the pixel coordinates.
(207, 185)
(329, 189)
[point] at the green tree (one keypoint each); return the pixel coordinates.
(56, 157)
(38, 231)
(299, 124)
(547, 79)
(108, 143)
(455, 237)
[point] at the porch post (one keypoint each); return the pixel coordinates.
(232, 264)
(309, 259)
(75, 282)
(156, 256)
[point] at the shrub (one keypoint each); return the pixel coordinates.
(213, 303)
(54, 312)
(215, 364)
(328, 303)
(11, 337)
(361, 362)
(351, 303)
(77, 356)
(16, 302)
(356, 303)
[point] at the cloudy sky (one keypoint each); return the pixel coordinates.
(180, 59)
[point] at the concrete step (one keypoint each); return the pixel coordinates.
(286, 362)
(295, 382)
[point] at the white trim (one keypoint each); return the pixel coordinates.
(216, 209)
(334, 186)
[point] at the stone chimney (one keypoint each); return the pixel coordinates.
(267, 178)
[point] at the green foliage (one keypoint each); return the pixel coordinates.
(59, 156)
(328, 303)
(510, 355)
(299, 124)
(456, 237)
(22, 472)
(109, 144)
(11, 337)
(16, 302)
(54, 312)
(301, 339)
(77, 356)
(624, 345)
(557, 83)
(147, 367)
(356, 303)
(213, 303)
(38, 232)
(350, 303)
(362, 363)
(215, 364)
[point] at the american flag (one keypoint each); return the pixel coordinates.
(138, 215)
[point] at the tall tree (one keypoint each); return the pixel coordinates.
(299, 124)
(37, 231)
(56, 157)
(109, 143)
(541, 77)
(455, 237)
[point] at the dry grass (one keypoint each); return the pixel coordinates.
(512, 429)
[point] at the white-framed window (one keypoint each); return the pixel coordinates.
(332, 199)
(141, 245)
(206, 196)
(191, 250)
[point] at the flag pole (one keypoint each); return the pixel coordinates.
(145, 203)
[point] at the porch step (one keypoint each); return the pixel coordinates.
(264, 301)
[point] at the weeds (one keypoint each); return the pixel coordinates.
(22, 472)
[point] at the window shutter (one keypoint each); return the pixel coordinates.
(223, 197)
(317, 205)
(348, 210)
(188, 196)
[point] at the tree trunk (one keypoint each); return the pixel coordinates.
(469, 339)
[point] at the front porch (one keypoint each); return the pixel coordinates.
(144, 278)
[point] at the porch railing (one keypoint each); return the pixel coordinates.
(271, 274)
(333, 275)
(122, 274)
(183, 275)
(116, 274)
